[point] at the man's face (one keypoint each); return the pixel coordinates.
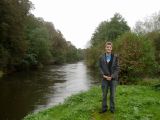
(108, 48)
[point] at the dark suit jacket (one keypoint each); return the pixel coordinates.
(114, 67)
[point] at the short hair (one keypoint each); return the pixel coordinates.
(108, 43)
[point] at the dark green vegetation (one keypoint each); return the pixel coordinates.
(138, 50)
(27, 42)
(136, 57)
(132, 102)
(106, 31)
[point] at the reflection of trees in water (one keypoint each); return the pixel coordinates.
(94, 75)
(23, 92)
(26, 92)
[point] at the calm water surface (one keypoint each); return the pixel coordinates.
(25, 92)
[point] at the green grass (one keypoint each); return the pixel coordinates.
(149, 81)
(132, 103)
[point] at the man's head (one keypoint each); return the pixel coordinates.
(108, 47)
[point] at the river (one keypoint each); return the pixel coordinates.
(26, 92)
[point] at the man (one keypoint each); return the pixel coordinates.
(109, 70)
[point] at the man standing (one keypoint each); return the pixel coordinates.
(109, 69)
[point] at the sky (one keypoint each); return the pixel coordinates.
(78, 19)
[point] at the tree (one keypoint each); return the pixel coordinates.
(150, 24)
(107, 30)
(150, 27)
(155, 38)
(110, 30)
(27, 41)
(12, 39)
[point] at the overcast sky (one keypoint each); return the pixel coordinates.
(78, 19)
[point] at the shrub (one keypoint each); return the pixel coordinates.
(136, 57)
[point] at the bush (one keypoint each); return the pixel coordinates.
(155, 37)
(136, 57)
(92, 54)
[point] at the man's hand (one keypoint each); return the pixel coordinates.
(107, 77)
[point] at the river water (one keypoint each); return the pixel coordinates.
(26, 92)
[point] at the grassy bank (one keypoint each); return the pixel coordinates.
(132, 103)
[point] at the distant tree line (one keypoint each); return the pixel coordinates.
(28, 42)
(138, 49)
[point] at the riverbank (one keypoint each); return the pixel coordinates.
(132, 102)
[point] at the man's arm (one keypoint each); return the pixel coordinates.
(100, 68)
(115, 69)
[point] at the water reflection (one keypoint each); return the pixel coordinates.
(22, 93)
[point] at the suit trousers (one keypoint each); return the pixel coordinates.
(106, 84)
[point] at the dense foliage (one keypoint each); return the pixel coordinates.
(13, 43)
(27, 41)
(106, 31)
(138, 50)
(137, 58)
(109, 30)
(150, 27)
(155, 38)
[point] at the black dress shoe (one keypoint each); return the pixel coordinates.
(103, 111)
